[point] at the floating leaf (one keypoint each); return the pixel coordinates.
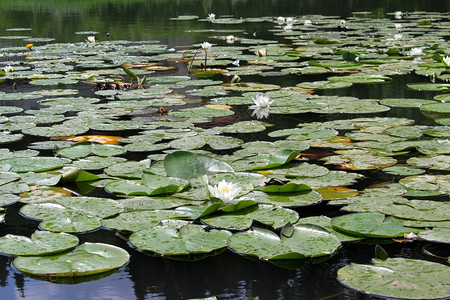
(186, 240)
(398, 278)
(183, 164)
(40, 243)
(87, 259)
(374, 225)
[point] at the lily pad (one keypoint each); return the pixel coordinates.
(87, 259)
(186, 240)
(183, 164)
(374, 225)
(40, 243)
(398, 278)
(302, 241)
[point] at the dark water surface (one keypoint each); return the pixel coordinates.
(226, 275)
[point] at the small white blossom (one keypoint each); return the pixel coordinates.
(398, 36)
(409, 237)
(307, 23)
(288, 27)
(261, 101)
(290, 20)
(446, 61)
(8, 69)
(398, 26)
(281, 20)
(398, 15)
(230, 39)
(211, 17)
(90, 39)
(236, 63)
(414, 52)
(205, 45)
(225, 191)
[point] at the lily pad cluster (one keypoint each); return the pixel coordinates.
(204, 148)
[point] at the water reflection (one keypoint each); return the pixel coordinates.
(147, 20)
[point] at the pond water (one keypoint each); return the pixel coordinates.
(226, 275)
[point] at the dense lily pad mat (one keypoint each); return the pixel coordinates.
(181, 134)
(398, 278)
(87, 259)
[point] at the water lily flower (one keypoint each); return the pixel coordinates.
(307, 23)
(281, 20)
(414, 52)
(90, 39)
(398, 26)
(205, 45)
(8, 69)
(398, 37)
(211, 17)
(261, 52)
(236, 63)
(235, 79)
(290, 20)
(288, 27)
(261, 101)
(230, 39)
(225, 191)
(261, 104)
(446, 61)
(398, 15)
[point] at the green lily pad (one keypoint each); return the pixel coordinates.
(374, 225)
(84, 149)
(302, 241)
(270, 215)
(439, 235)
(34, 164)
(138, 220)
(183, 164)
(398, 278)
(186, 240)
(40, 243)
(325, 223)
(285, 199)
(87, 259)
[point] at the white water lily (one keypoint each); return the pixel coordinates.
(398, 26)
(414, 52)
(290, 20)
(288, 27)
(211, 17)
(225, 191)
(230, 39)
(8, 69)
(205, 45)
(398, 15)
(281, 20)
(261, 101)
(307, 23)
(90, 39)
(261, 104)
(398, 36)
(446, 61)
